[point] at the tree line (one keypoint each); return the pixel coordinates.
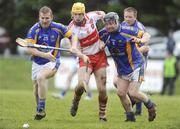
(17, 16)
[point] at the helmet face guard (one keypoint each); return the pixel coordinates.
(78, 8)
(111, 20)
(111, 16)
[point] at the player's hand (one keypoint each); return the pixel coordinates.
(73, 50)
(49, 56)
(101, 45)
(86, 59)
(136, 40)
(144, 49)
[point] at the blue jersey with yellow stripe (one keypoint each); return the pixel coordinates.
(124, 52)
(50, 36)
(135, 30)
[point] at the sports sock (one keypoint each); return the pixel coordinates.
(89, 94)
(138, 106)
(41, 105)
(63, 93)
(102, 106)
(148, 104)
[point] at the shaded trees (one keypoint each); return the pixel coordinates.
(19, 15)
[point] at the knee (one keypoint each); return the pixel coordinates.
(103, 80)
(121, 94)
(40, 78)
(132, 93)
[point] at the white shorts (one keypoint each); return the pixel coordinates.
(75, 64)
(137, 75)
(36, 68)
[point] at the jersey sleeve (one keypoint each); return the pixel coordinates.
(141, 26)
(103, 35)
(65, 31)
(32, 34)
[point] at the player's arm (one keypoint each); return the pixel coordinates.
(145, 38)
(74, 42)
(144, 49)
(101, 14)
(102, 42)
(32, 37)
(101, 45)
(36, 52)
(97, 15)
(75, 50)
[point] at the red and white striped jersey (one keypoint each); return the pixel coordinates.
(87, 34)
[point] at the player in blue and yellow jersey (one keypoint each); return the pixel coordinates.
(128, 60)
(132, 28)
(46, 62)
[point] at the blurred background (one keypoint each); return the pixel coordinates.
(16, 17)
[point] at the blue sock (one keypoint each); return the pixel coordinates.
(138, 106)
(130, 116)
(149, 104)
(41, 105)
(63, 93)
(89, 94)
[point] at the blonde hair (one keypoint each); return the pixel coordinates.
(45, 9)
(131, 9)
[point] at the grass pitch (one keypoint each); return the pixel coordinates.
(17, 106)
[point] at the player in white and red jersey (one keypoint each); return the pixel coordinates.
(84, 27)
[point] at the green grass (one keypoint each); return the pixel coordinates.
(17, 106)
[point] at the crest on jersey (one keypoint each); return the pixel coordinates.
(52, 38)
(45, 38)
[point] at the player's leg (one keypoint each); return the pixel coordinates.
(138, 108)
(100, 76)
(35, 85)
(122, 90)
(136, 94)
(83, 79)
(88, 92)
(44, 74)
(133, 101)
(137, 103)
(115, 81)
